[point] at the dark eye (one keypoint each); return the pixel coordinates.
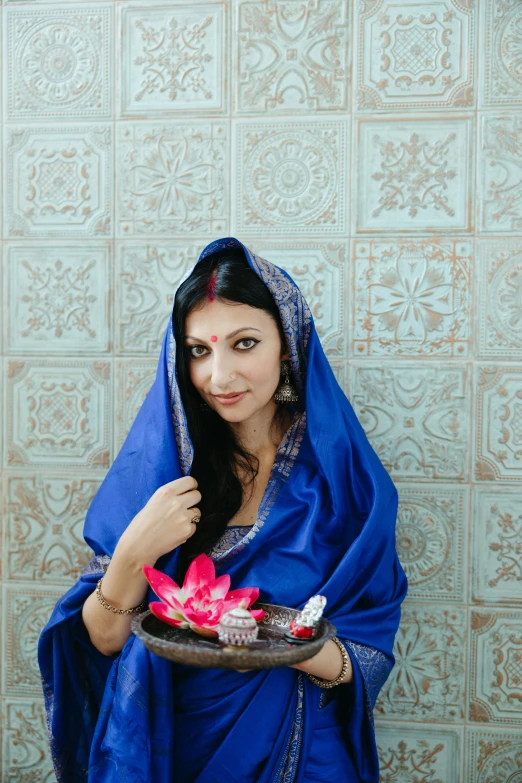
(247, 340)
(192, 348)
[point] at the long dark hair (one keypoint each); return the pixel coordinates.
(218, 455)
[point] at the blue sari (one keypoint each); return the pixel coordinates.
(326, 524)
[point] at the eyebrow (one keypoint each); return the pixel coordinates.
(232, 334)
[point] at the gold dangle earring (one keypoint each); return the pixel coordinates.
(285, 392)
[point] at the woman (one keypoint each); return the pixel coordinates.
(285, 496)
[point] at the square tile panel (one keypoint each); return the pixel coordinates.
(59, 180)
(410, 754)
(172, 179)
(25, 747)
(146, 278)
(44, 516)
(172, 59)
(57, 298)
(291, 57)
(413, 175)
(319, 269)
(431, 527)
(411, 297)
(134, 379)
(494, 756)
(427, 681)
(496, 667)
(498, 422)
(290, 178)
(501, 77)
(496, 568)
(57, 413)
(59, 63)
(416, 417)
(499, 314)
(415, 55)
(500, 171)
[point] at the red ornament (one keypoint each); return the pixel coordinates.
(300, 631)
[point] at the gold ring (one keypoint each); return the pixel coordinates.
(195, 520)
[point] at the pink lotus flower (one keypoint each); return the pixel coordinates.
(201, 601)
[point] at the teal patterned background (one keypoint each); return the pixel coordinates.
(373, 149)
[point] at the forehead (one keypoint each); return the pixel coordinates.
(218, 317)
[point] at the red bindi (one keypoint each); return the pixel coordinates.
(214, 338)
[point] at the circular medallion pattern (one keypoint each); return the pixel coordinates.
(423, 543)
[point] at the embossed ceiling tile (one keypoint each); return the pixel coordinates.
(57, 298)
(320, 271)
(493, 756)
(172, 59)
(416, 417)
(496, 570)
(410, 754)
(411, 297)
(134, 379)
(173, 178)
(44, 516)
(57, 413)
(290, 177)
(415, 55)
(427, 680)
(499, 313)
(59, 179)
(495, 666)
(413, 175)
(59, 63)
(146, 278)
(500, 167)
(431, 528)
(291, 57)
(501, 43)
(26, 755)
(26, 612)
(498, 423)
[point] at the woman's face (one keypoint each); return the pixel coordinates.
(234, 348)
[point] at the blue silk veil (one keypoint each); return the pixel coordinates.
(326, 524)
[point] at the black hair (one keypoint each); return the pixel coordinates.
(218, 455)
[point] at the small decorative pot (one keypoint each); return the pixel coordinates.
(237, 628)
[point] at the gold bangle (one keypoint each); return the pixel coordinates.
(105, 605)
(344, 670)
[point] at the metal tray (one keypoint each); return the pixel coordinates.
(185, 646)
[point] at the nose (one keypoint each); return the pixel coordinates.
(223, 371)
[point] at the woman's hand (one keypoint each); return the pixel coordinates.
(164, 522)
(327, 664)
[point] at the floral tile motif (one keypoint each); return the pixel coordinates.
(172, 59)
(292, 56)
(414, 175)
(146, 278)
(496, 667)
(134, 379)
(500, 164)
(412, 755)
(502, 46)
(411, 298)
(496, 570)
(427, 680)
(290, 178)
(431, 526)
(57, 298)
(26, 755)
(58, 63)
(500, 296)
(416, 418)
(26, 612)
(59, 181)
(318, 268)
(173, 179)
(413, 55)
(43, 518)
(498, 428)
(57, 414)
(493, 756)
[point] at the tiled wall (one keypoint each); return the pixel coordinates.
(374, 149)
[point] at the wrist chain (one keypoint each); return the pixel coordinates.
(106, 605)
(346, 662)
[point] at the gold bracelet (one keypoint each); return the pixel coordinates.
(344, 670)
(105, 605)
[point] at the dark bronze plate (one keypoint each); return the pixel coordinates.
(185, 646)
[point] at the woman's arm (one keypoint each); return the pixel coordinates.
(327, 664)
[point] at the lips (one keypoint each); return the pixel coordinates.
(229, 399)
